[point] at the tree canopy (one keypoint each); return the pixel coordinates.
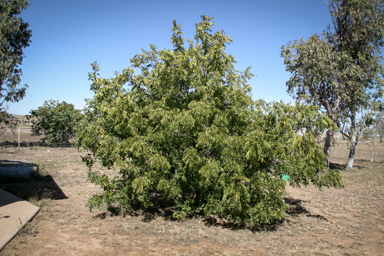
(14, 37)
(56, 121)
(341, 70)
(186, 132)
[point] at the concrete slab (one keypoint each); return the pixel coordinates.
(15, 213)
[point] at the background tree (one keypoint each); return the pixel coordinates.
(369, 134)
(7, 121)
(56, 121)
(376, 130)
(14, 37)
(187, 131)
(341, 70)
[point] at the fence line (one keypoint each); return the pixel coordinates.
(364, 150)
(22, 138)
(34, 144)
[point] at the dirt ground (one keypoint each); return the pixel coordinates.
(347, 221)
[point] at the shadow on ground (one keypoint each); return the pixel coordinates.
(38, 186)
(342, 167)
(296, 208)
(159, 209)
(337, 167)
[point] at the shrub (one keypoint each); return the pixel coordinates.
(186, 129)
(56, 121)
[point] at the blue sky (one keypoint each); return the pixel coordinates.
(69, 35)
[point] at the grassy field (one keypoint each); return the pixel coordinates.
(347, 221)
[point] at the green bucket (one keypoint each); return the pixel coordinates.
(285, 177)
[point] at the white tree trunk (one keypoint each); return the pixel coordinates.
(373, 149)
(352, 153)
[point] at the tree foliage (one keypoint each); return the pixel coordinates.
(7, 121)
(187, 131)
(341, 70)
(14, 37)
(376, 131)
(56, 121)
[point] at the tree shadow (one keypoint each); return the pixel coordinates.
(342, 167)
(317, 216)
(256, 227)
(337, 166)
(365, 161)
(101, 216)
(160, 209)
(295, 208)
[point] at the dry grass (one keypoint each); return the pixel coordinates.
(347, 221)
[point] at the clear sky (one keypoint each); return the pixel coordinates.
(68, 35)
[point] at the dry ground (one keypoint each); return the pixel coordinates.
(347, 221)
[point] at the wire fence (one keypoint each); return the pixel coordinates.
(22, 137)
(34, 144)
(371, 151)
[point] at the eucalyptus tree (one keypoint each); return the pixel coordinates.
(341, 70)
(186, 131)
(14, 37)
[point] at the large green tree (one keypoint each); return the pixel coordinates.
(57, 121)
(186, 131)
(341, 70)
(14, 37)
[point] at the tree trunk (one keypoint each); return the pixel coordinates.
(327, 148)
(373, 150)
(352, 153)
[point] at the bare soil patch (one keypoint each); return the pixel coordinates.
(347, 221)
